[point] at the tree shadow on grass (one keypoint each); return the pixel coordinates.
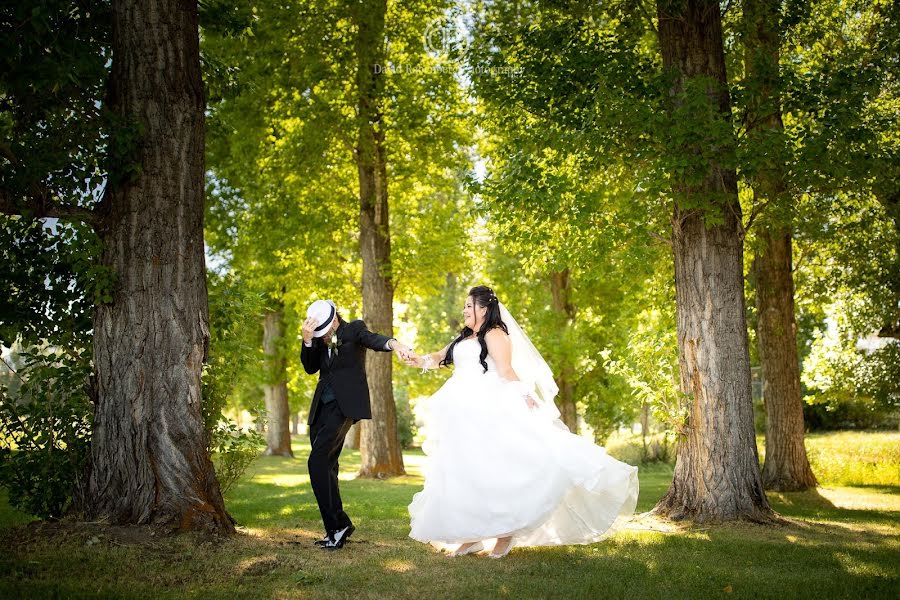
(748, 560)
(266, 505)
(813, 504)
(276, 558)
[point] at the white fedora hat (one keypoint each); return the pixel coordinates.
(324, 312)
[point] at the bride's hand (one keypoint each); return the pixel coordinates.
(414, 360)
(530, 401)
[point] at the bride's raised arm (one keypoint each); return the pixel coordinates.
(429, 361)
(500, 349)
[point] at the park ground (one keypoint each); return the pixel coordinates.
(840, 541)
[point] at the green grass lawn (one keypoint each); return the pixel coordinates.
(842, 542)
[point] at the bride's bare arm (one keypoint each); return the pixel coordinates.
(430, 361)
(500, 349)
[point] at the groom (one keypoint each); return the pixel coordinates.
(337, 351)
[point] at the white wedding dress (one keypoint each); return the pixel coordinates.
(496, 468)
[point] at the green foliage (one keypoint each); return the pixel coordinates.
(572, 186)
(53, 133)
(650, 368)
(233, 451)
(45, 426)
(283, 183)
(583, 140)
(232, 375)
(45, 319)
(845, 280)
(637, 449)
(54, 60)
(52, 279)
(852, 387)
(233, 372)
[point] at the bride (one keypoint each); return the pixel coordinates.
(501, 466)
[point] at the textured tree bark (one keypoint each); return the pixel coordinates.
(717, 474)
(786, 466)
(149, 463)
(278, 434)
(562, 305)
(379, 443)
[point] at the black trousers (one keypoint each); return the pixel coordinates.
(327, 433)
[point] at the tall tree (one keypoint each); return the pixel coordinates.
(561, 290)
(786, 464)
(380, 453)
(287, 205)
(717, 468)
(149, 460)
(278, 432)
(148, 453)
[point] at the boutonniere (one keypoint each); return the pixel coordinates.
(335, 343)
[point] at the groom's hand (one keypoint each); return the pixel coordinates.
(402, 351)
(309, 325)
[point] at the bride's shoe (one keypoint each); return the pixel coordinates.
(472, 549)
(503, 552)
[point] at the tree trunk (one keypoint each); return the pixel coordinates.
(149, 463)
(890, 199)
(562, 305)
(295, 423)
(278, 435)
(717, 469)
(645, 431)
(353, 437)
(379, 444)
(787, 466)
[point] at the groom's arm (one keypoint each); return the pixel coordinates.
(310, 357)
(372, 340)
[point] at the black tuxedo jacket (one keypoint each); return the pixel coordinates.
(346, 372)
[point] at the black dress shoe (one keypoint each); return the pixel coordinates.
(338, 538)
(324, 541)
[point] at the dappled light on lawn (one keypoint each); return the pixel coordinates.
(883, 498)
(838, 541)
(283, 479)
(399, 566)
(274, 557)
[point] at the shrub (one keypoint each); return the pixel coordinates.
(233, 451)
(45, 428)
(634, 449)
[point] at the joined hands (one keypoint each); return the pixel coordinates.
(403, 352)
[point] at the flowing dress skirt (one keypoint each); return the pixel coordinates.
(496, 468)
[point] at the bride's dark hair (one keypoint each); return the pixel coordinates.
(484, 297)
